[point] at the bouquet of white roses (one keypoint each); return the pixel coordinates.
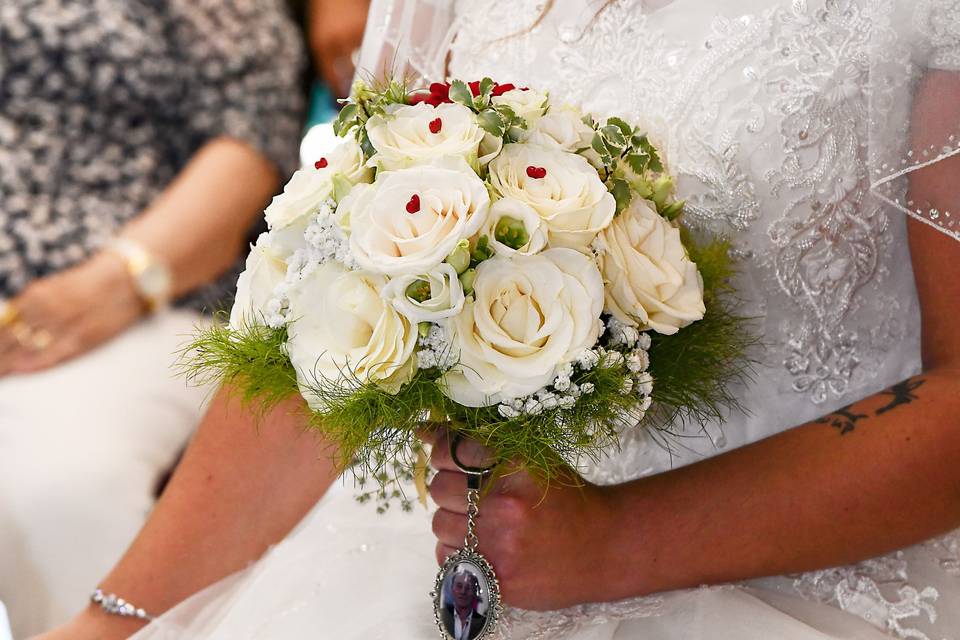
(482, 255)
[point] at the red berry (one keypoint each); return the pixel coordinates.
(435, 125)
(414, 204)
(536, 172)
(321, 163)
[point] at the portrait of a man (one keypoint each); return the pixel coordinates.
(460, 616)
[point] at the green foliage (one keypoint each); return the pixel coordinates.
(251, 361)
(376, 428)
(696, 370)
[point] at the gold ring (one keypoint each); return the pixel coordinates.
(8, 314)
(29, 338)
(41, 339)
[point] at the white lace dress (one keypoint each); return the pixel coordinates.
(768, 110)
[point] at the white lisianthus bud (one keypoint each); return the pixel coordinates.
(562, 129)
(530, 316)
(526, 103)
(343, 331)
(255, 287)
(410, 220)
(514, 227)
(427, 298)
(563, 188)
(651, 281)
(410, 135)
(310, 186)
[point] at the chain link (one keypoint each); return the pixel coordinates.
(470, 541)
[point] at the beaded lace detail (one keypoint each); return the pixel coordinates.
(764, 117)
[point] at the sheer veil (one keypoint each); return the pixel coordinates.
(914, 74)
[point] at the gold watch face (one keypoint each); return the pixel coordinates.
(154, 282)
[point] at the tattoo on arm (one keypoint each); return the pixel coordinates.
(902, 392)
(844, 420)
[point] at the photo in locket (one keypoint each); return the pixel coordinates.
(464, 599)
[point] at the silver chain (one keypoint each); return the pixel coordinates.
(473, 508)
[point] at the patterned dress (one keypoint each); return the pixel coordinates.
(103, 102)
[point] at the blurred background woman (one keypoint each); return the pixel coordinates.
(139, 140)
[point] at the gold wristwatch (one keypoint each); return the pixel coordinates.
(150, 275)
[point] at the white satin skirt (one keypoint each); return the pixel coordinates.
(82, 446)
(348, 573)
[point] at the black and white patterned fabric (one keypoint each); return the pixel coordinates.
(102, 103)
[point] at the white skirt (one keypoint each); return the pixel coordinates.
(82, 446)
(347, 573)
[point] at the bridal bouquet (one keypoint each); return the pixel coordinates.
(482, 255)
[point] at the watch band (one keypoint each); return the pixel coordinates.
(151, 276)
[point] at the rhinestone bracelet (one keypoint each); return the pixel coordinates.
(115, 605)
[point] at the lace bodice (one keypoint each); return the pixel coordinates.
(763, 111)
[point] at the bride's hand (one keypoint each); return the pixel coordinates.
(550, 548)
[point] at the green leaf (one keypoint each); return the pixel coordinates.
(638, 162)
(625, 129)
(600, 147)
(613, 136)
(646, 146)
(460, 92)
(486, 90)
(345, 119)
(491, 122)
(621, 194)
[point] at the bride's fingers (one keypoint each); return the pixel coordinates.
(449, 490)
(443, 551)
(469, 452)
(449, 527)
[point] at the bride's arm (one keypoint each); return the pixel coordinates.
(879, 475)
(242, 485)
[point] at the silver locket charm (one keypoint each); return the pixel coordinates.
(466, 595)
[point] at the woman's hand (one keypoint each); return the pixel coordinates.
(550, 548)
(67, 314)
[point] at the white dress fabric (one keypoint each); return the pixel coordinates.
(82, 446)
(768, 111)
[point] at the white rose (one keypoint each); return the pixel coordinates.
(410, 220)
(561, 128)
(530, 315)
(311, 185)
(255, 286)
(343, 331)
(437, 295)
(526, 103)
(417, 134)
(563, 188)
(651, 281)
(514, 213)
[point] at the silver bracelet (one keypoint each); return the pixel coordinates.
(117, 606)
